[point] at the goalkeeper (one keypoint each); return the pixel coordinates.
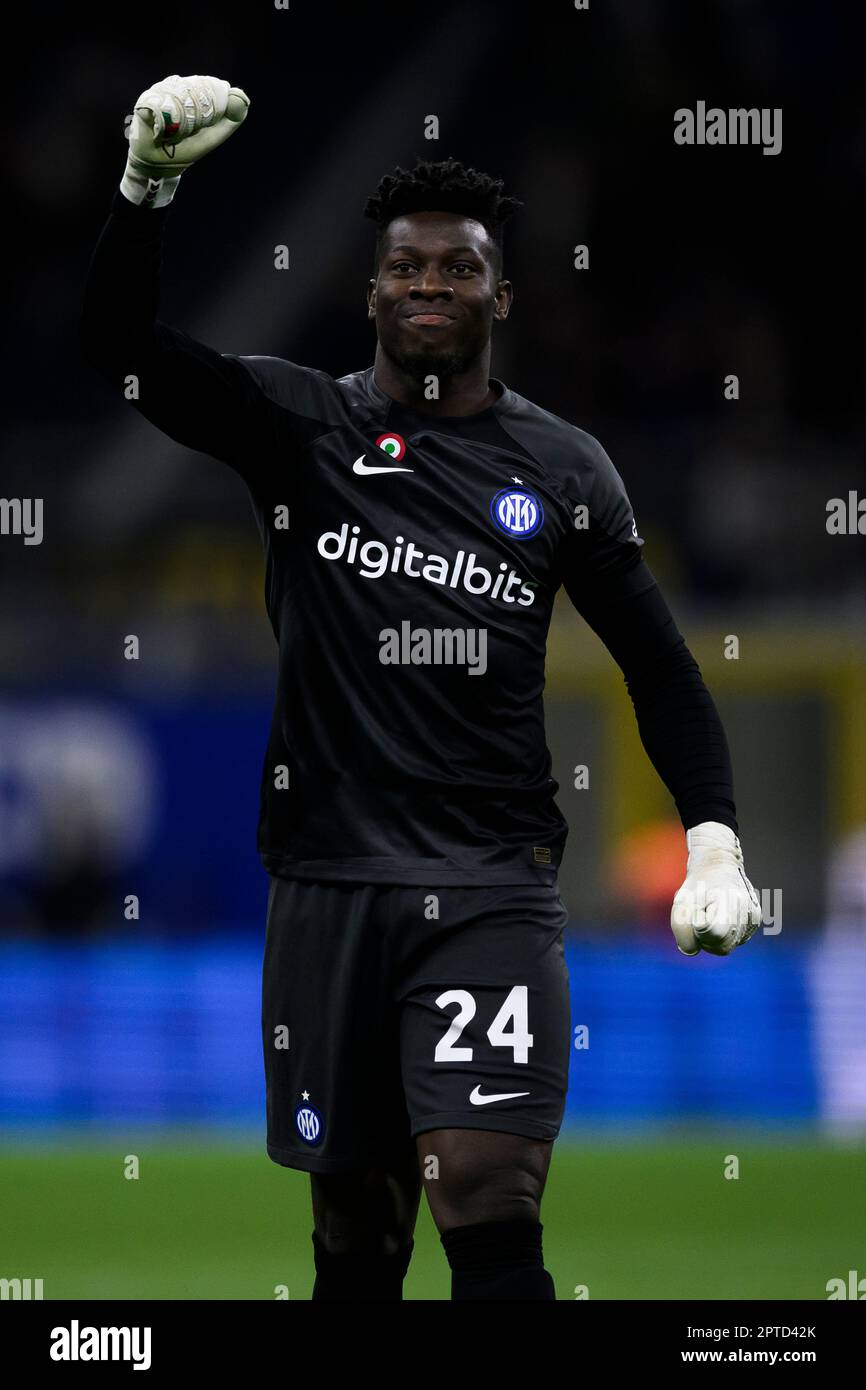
(414, 930)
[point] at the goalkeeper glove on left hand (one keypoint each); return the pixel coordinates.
(175, 123)
(716, 908)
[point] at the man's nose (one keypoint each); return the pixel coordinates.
(430, 285)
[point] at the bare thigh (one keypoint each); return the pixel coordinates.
(473, 1175)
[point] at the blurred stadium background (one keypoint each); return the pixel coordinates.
(141, 1037)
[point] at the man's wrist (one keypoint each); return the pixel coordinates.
(146, 191)
(713, 837)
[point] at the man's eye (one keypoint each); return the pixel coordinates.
(464, 265)
(403, 265)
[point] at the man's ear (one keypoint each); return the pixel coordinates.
(504, 300)
(371, 299)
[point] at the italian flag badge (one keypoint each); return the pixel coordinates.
(393, 445)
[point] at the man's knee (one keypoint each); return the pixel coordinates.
(372, 1212)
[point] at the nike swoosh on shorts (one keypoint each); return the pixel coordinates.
(477, 1098)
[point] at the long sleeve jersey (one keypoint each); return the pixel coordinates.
(411, 567)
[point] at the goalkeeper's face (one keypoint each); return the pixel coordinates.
(437, 293)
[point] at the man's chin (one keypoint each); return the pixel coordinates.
(442, 363)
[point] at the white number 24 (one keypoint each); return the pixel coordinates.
(516, 1007)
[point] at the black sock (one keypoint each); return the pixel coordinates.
(497, 1259)
(345, 1278)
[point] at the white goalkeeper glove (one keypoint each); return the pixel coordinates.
(175, 123)
(717, 908)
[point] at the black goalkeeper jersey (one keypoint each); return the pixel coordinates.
(411, 568)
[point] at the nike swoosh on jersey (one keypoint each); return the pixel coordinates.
(359, 466)
(477, 1098)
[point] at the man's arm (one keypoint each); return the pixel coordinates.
(613, 589)
(191, 392)
(188, 390)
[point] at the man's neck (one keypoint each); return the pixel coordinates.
(465, 394)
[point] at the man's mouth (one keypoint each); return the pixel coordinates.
(428, 320)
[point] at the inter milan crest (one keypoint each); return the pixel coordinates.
(517, 512)
(309, 1122)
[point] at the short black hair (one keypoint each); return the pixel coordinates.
(442, 186)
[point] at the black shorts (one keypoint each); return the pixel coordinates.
(388, 1010)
